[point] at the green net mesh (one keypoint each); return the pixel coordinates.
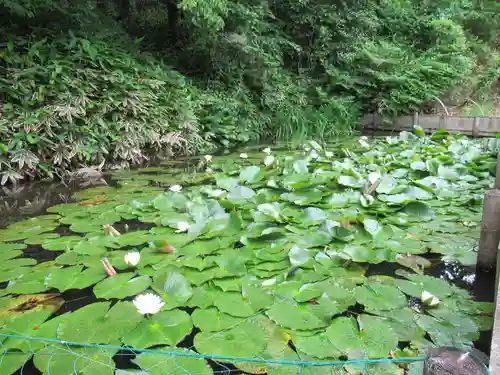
(30, 355)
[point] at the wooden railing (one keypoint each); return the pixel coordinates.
(476, 126)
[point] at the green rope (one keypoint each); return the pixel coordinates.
(225, 358)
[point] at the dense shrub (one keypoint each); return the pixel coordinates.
(223, 72)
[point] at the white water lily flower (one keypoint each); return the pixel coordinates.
(429, 299)
(175, 188)
(132, 258)
(182, 226)
(328, 154)
(243, 156)
(268, 160)
(267, 150)
(148, 303)
(272, 183)
(208, 157)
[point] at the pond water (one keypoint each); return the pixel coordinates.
(360, 249)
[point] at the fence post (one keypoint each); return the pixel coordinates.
(497, 173)
(475, 124)
(490, 231)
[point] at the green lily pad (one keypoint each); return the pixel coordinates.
(158, 364)
(121, 286)
(212, 320)
(164, 328)
(173, 287)
(293, 315)
(248, 339)
(376, 296)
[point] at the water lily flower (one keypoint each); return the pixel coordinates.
(132, 258)
(175, 188)
(182, 226)
(148, 303)
(267, 150)
(268, 160)
(328, 154)
(429, 299)
(108, 267)
(243, 156)
(272, 183)
(208, 158)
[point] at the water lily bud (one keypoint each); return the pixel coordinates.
(108, 267)
(267, 150)
(243, 156)
(132, 258)
(175, 188)
(148, 303)
(111, 231)
(429, 299)
(182, 226)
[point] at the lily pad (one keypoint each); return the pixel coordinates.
(185, 363)
(121, 286)
(164, 328)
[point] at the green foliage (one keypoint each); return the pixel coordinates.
(237, 71)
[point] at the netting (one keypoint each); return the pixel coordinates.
(24, 355)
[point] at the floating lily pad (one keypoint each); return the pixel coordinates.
(121, 286)
(157, 364)
(164, 328)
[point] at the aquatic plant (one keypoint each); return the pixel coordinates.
(270, 260)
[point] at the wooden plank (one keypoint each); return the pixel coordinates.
(480, 126)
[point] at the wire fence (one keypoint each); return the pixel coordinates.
(57, 357)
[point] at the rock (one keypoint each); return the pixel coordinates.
(453, 361)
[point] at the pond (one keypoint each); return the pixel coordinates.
(362, 249)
